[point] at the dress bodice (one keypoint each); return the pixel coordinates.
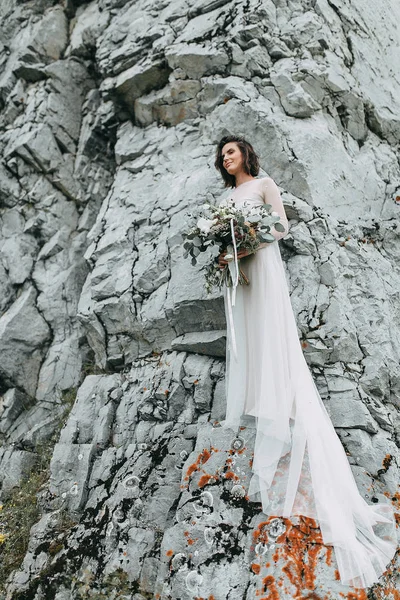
(257, 192)
(249, 193)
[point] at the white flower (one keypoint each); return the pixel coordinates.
(205, 224)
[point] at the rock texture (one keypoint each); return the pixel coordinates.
(109, 115)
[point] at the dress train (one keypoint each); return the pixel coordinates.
(299, 466)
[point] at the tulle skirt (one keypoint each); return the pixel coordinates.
(299, 465)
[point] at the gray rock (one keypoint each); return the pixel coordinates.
(12, 404)
(23, 335)
(295, 99)
(60, 370)
(51, 34)
(171, 105)
(196, 60)
(131, 143)
(109, 115)
(19, 254)
(83, 427)
(217, 90)
(88, 24)
(69, 474)
(15, 465)
(37, 146)
(139, 80)
(201, 26)
(211, 343)
(10, 189)
(34, 425)
(348, 413)
(40, 39)
(372, 453)
(128, 37)
(30, 73)
(69, 83)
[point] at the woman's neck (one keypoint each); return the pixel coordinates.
(242, 178)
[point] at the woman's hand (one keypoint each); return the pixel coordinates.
(241, 253)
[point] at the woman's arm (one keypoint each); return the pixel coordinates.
(272, 195)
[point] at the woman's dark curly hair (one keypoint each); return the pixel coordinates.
(251, 164)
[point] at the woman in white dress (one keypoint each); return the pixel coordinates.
(299, 465)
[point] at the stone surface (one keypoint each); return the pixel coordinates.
(15, 465)
(195, 60)
(13, 403)
(109, 115)
(23, 337)
(207, 342)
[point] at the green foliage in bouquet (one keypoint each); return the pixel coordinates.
(252, 226)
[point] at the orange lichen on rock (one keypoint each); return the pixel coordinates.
(270, 587)
(395, 498)
(309, 573)
(260, 533)
(300, 552)
(201, 459)
(395, 594)
(357, 595)
(192, 469)
(189, 540)
(169, 552)
(387, 461)
(231, 475)
(308, 526)
(301, 540)
(255, 568)
(204, 479)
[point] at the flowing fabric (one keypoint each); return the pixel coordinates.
(299, 465)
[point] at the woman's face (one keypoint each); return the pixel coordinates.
(232, 158)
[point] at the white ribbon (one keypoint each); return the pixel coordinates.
(231, 299)
(236, 280)
(231, 326)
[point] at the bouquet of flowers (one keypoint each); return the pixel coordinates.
(229, 228)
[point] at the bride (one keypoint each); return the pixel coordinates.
(299, 465)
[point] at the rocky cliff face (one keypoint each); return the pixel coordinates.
(109, 115)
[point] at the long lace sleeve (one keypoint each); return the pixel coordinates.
(272, 196)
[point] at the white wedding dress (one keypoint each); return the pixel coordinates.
(299, 465)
